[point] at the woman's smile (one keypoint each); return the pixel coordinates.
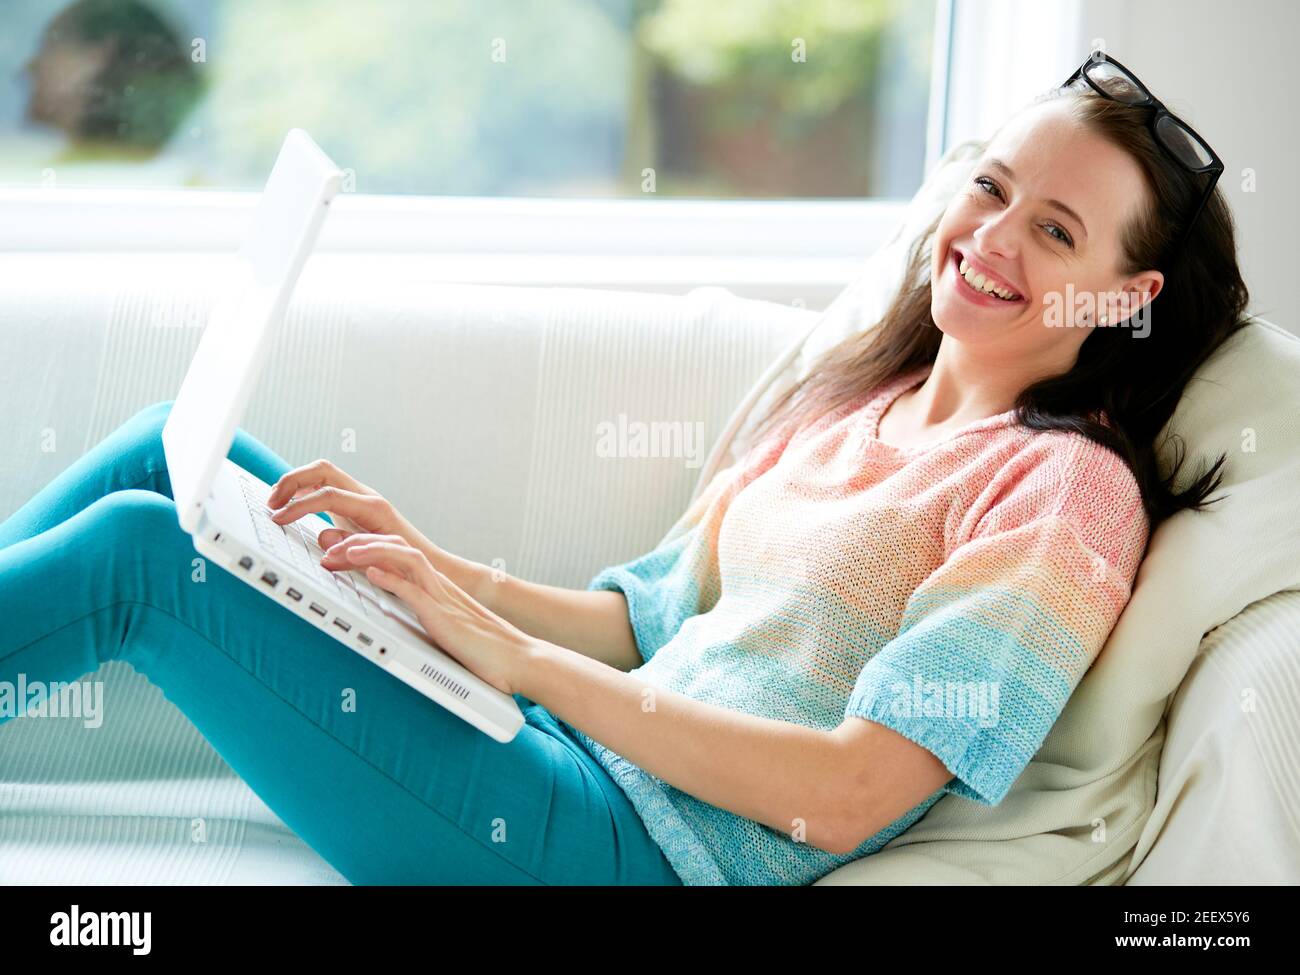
(968, 291)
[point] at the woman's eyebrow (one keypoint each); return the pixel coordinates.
(1002, 167)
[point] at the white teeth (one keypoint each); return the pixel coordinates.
(980, 283)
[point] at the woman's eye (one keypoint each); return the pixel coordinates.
(992, 189)
(1064, 237)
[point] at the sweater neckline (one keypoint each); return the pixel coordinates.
(895, 388)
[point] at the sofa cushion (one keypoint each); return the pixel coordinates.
(1229, 789)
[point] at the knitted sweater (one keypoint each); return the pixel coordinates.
(955, 592)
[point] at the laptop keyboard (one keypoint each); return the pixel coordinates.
(296, 546)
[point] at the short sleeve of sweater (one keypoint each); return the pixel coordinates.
(992, 644)
(663, 588)
(679, 578)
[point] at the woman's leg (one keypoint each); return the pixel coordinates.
(129, 457)
(384, 784)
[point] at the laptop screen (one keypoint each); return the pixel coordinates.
(220, 380)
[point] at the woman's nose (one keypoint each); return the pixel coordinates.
(998, 237)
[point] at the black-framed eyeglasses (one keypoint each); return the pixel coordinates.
(1112, 80)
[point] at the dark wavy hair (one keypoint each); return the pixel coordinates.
(1137, 382)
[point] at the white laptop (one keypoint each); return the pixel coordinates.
(224, 507)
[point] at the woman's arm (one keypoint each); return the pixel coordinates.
(594, 623)
(830, 789)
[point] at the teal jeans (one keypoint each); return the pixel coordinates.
(385, 785)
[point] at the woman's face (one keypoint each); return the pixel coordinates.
(1041, 217)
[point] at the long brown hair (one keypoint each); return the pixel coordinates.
(1137, 382)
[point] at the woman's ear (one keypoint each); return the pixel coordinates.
(1138, 292)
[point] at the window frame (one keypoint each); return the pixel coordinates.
(798, 251)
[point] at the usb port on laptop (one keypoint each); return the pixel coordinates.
(293, 594)
(365, 639)
(318, 610)
(342, 625)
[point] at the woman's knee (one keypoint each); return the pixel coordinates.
(145, 441)
(143, 431)
(139, 520)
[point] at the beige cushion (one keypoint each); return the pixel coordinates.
(1075, 814)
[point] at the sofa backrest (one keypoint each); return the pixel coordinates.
(484, 412)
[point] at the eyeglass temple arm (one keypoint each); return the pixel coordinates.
(1187, 229)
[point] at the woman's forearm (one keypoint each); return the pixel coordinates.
(594, 623)
(784, 775)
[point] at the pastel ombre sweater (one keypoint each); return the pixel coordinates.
(955, 593)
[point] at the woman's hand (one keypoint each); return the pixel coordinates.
(323, 487)
(482, 641)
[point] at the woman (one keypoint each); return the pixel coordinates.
(889, 598)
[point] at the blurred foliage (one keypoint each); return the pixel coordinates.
(747, 45)
(410, 96)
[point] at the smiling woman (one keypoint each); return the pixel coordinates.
(957, 498)
(890, 598)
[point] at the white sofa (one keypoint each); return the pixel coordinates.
(475, 410)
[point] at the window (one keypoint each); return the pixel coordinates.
(724, 99)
